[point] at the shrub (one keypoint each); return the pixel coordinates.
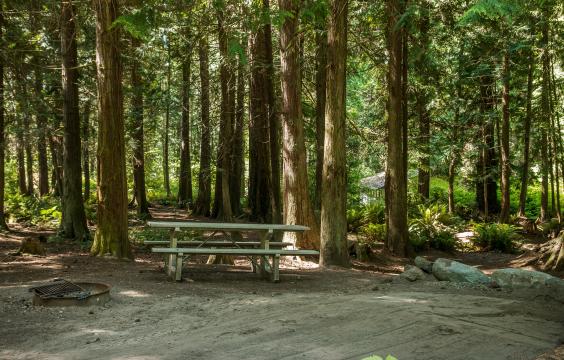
(433, 228)
(494, 236)
(44, 210)
(374, 213)
(374, 233)
(354, 219)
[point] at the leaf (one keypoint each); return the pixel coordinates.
(138, 24)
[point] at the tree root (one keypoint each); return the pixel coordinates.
(551, 254)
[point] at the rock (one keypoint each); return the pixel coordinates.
(520, 278)
(424, 264)
(449, 270)
(412, 273)
(556, 288)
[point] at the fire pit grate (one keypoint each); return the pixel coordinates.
(60, 288)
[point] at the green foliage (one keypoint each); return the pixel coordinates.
(140, 234)
(492, 236)
(44, 210)
(374, 213)
(433, 228)
(139, 23)
(355, 218)
(373, 233)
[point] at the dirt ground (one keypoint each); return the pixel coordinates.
(226, 312)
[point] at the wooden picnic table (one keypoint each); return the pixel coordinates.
(263, 252)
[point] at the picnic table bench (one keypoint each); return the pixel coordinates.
(262, 250)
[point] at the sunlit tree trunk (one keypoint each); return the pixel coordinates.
(527, 137)
(238, 161)
(505, 160)
(185, 178)
(396, 187)
(74, 217)
(2, 109)
(320, 92)
(111, 234)
(138, 134)
(298, 208)
(334, 249)
(202, 206)
(545, 111)
(86, 148)
(424, 175)
(22, 186)
(222, 204)
(166, 141)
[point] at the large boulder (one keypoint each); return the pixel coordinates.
(450, 270)
(556, 288)
(520, 278)
(424, 264)
(412, 273)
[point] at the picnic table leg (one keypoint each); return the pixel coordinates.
(171, 269)
(275, 268)
(178, 273)
(265, 236)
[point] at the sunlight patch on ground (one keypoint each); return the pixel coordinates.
(101, 331)
(134, 294)
(396, 299)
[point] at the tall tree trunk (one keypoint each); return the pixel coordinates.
(320, 93)
(396, 186)
(505, 160)
(2, 136)
(527, 137)
(40, 111)
(166, 169)
(334, 249)
(111, 234)
(545, 110)
(185, 178)
(424, 175)
(298, 208)
(560, 149)
(202, 206)
(274, 121)
(28, 154)
(261, 197)
(222, 204)
(138, 135)
(41, 123)
(486, 186)
(86, 148)
(554, 151)
(237, 162)
(74, 217)
(22, 186)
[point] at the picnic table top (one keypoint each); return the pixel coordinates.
(196, 225)
(234, 251)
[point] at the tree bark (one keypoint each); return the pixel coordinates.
(424, 175)
(298, 208)
(185, 178)
(505, 160)
(396, 187)
(74, 217)
(2, 135)
(41, 116)
(320, 93)
(334, 249)
(261, 197)
(274, 121)
(166, 169)
(86, 148)
(222, 203)
(559, 149)
(138, 135)
(238, 161)
(112, 233)
(527, 137)
(22, 186)
(545, 111)
(202, 206)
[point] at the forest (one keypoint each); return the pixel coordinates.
(404, 157)
(283, 113)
